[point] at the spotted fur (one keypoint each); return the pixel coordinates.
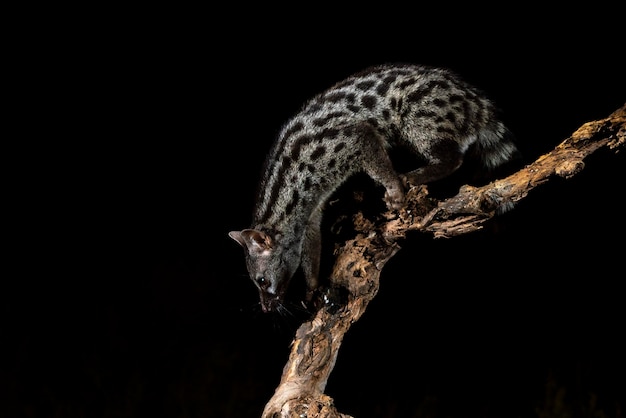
(348, 129)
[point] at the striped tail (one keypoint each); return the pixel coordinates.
(496, 146)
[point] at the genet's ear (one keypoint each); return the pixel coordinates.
(236, 235)
(256, 242)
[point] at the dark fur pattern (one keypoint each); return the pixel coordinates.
(348, 129)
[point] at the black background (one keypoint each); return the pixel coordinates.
(124, 296)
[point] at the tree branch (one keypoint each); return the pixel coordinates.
(360, 260)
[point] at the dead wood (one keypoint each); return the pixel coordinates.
(360, 260)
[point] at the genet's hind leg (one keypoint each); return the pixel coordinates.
(444, 158)
(379, 167)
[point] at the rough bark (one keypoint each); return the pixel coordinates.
(360, 260)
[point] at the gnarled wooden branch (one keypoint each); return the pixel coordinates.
(360, 260)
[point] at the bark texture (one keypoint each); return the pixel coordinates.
(359, 261)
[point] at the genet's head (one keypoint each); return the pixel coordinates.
(269, 264)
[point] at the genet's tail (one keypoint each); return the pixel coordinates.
(496, 146)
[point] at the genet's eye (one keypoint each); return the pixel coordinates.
(262, 282)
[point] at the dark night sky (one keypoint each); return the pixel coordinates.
(127, 298)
